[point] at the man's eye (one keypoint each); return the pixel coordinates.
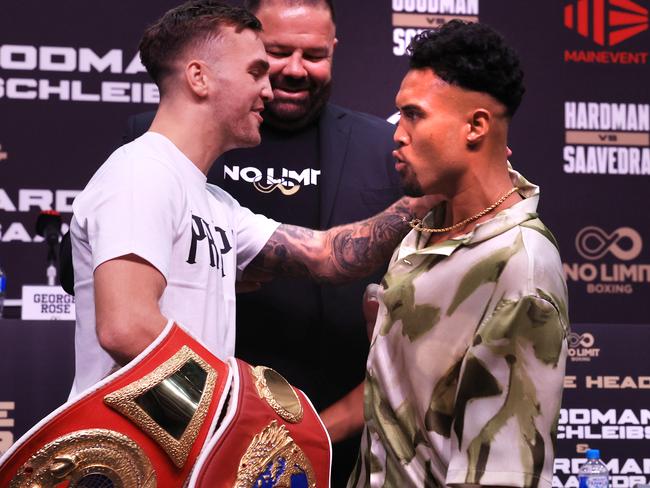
(279, 54)
(314, 58)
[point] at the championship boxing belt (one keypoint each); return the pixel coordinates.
(143, 426)
(270, 436)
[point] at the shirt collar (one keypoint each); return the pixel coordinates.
(500, 223)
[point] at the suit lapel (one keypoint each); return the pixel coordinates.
(334, 133)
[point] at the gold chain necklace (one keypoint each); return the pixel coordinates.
(417, 223)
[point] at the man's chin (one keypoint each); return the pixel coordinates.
(288, 120)
(411, 189)
(249, 140)
(287, 111)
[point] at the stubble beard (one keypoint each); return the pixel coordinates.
(301, 114)
(410, 185)
(411, 189)
(244, 136)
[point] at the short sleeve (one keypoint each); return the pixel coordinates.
(251, 230)
(509, 396)
(131, 207)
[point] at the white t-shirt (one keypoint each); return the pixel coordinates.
(149, 199)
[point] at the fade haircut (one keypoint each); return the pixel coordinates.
(255, 5)
(192, 23)
(472, 56)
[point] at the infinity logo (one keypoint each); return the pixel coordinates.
(593, 243)
(285, 190)
(584, 340)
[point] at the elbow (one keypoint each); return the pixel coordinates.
(123, 338)
(115, 341)
(329, 264)
(326, 272)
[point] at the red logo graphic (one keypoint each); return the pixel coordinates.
(625, 19)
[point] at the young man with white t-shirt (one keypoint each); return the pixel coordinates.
(152, 240)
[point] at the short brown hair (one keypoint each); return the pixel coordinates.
(192, 22)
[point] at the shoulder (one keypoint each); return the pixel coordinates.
(221, 195)
(141, 162)
(540, 247)
(537, 258)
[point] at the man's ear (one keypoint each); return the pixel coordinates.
(478, 126)
(196, 77)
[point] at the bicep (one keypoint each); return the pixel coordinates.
(127, 289)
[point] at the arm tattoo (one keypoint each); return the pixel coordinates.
(343, 253)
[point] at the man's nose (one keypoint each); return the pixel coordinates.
(295, 66)
(400, 136)
(267, 91)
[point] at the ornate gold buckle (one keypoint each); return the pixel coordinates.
(274, 459)
(278, 393)
(94, 457)
(171, 403)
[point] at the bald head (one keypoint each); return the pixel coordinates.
(255, 5)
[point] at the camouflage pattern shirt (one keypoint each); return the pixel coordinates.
(466, 364)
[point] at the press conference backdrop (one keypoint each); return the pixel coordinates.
(70, 76)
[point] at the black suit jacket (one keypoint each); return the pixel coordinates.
(315, 335)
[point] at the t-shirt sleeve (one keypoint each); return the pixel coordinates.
(509, 395)
(131, 208)
(253, 231)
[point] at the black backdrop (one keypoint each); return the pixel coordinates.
(50, 144)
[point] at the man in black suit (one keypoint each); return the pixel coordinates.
(319, 165)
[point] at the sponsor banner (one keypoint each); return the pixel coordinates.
(18, 208)
(73, 74)
(605, 404)
(593, 423)
(43, 355)
(410, 17)
(606, 138)
(624, 472)
(609, 26)
(7, 424)
(611, 262)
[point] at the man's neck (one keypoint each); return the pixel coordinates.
(478, 189)
(198, 139)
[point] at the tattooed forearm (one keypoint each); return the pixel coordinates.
(342, 253)
(281, 255)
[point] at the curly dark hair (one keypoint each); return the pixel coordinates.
(472, 56)
(255, 5)
(192, 22)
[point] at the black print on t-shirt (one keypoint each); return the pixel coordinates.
(200, 231)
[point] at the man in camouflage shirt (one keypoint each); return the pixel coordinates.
(466, 366)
